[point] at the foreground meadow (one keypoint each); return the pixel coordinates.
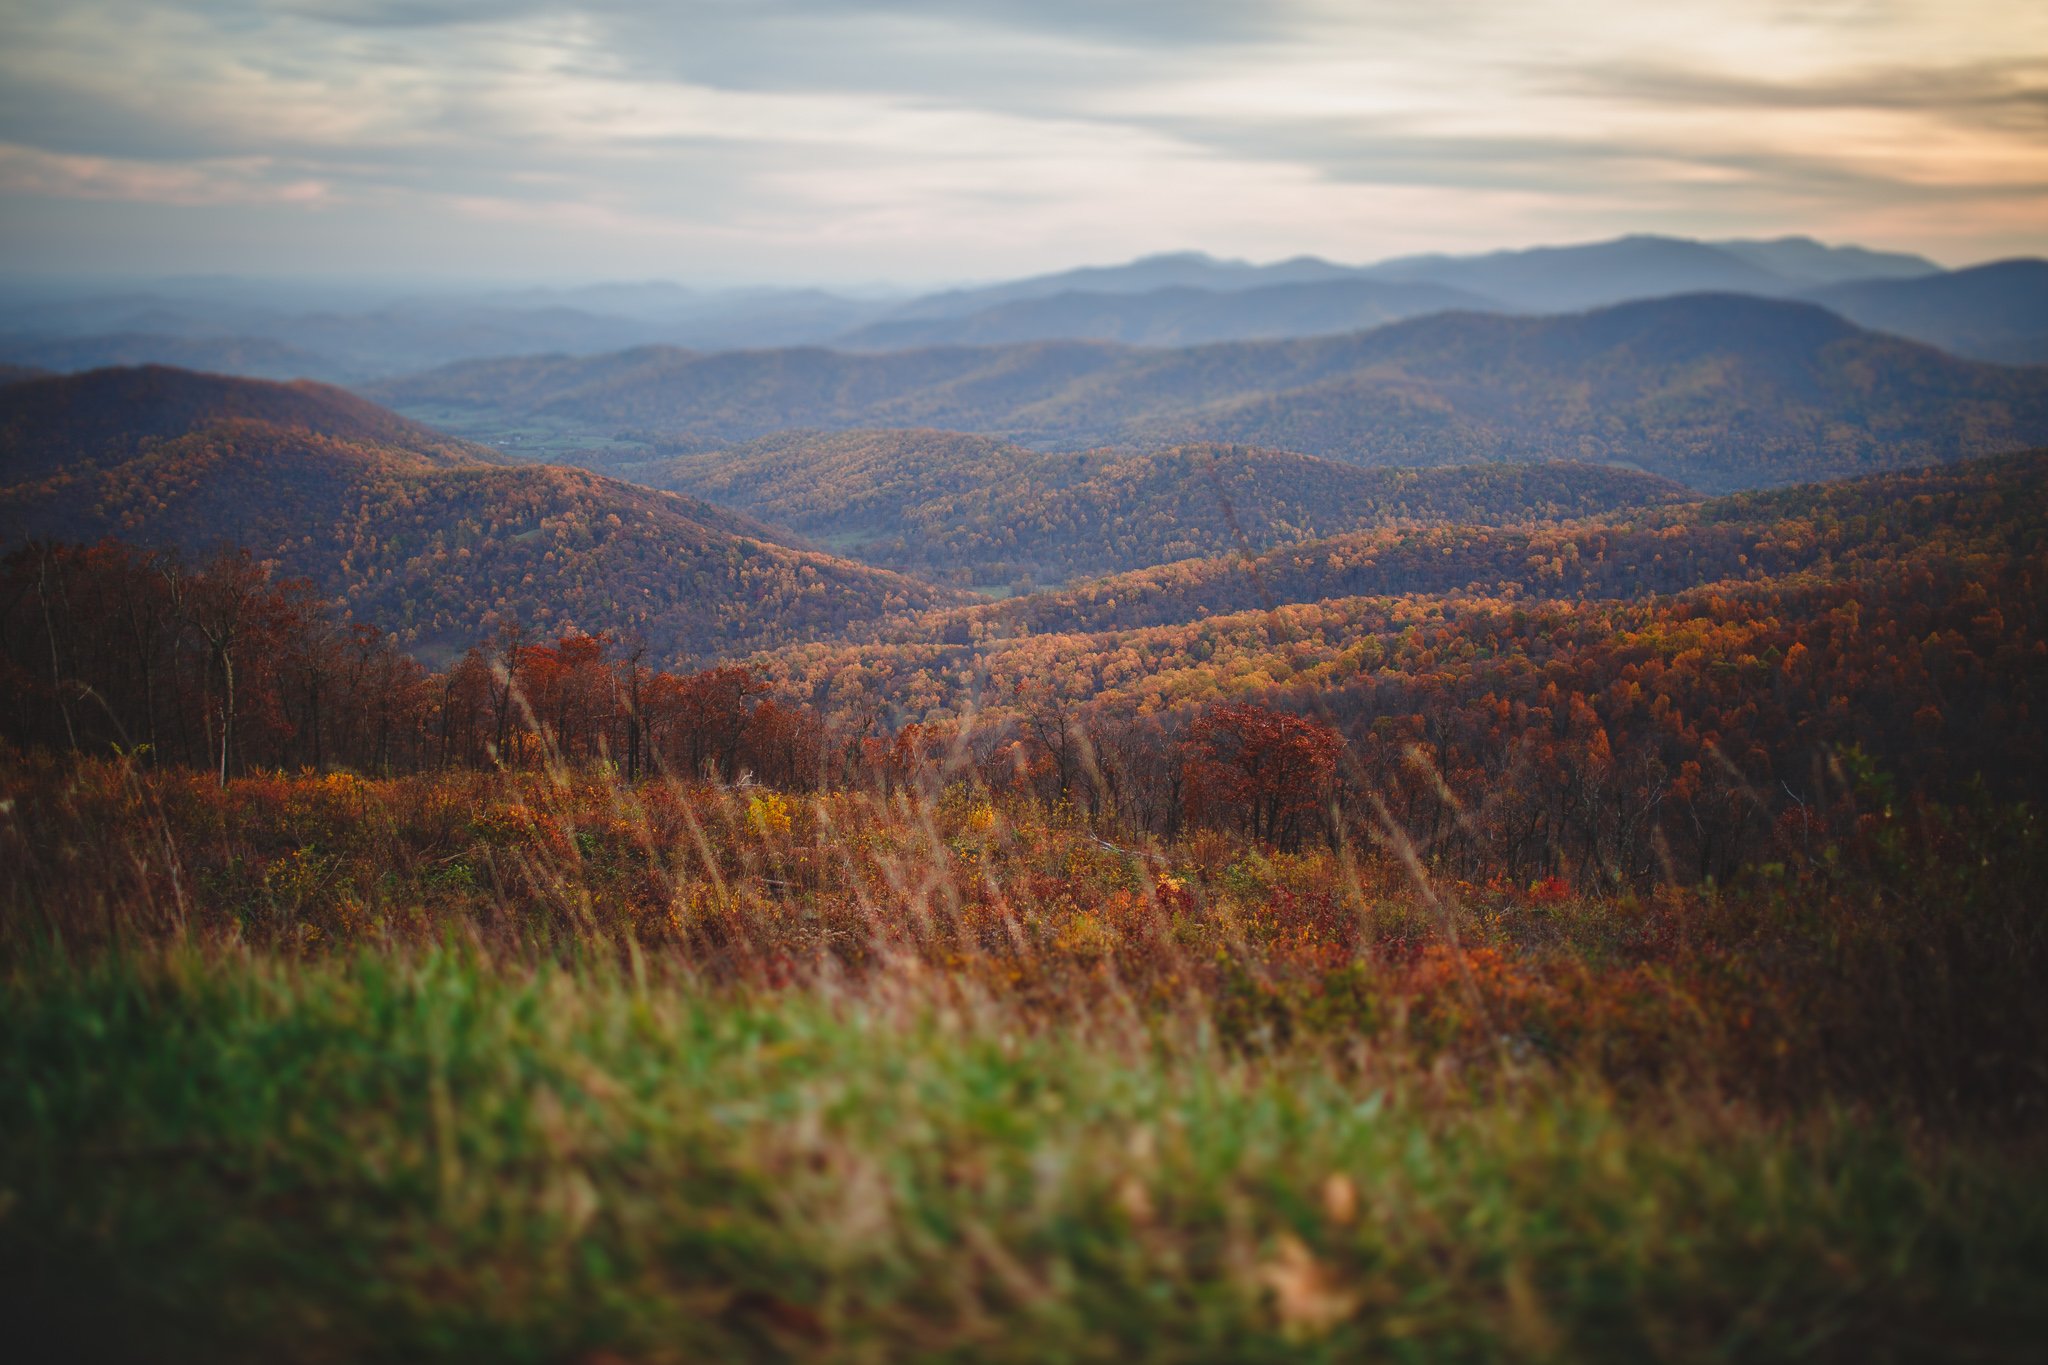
(548, 1066)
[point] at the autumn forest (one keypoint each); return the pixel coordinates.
(1492, 837)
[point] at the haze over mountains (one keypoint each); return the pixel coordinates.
(355, 336)
(1994, 312)
(1717, 391)
(1322, 401)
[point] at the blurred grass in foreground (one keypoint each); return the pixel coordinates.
(550, 1067)
(215, 1155)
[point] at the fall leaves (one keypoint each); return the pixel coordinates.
(1270, 771)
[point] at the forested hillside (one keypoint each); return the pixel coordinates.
(988, 512)
(1717, 391)
(1554, 703)
(1215, 623)
(1995, 505)
(422, 541)
(67, 422)
(1616, 703)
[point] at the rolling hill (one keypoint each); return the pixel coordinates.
(417, 537)
(1541, 279)
(1717, 391)
(108, 416)
(1998, 501)
(979, 510)
(1174, 634)
(1990, 312)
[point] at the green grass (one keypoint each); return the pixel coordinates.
(422, 1155)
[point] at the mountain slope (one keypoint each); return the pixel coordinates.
(1981, 504)
(1804, 261)
(1178, 316)
(1169, 270)
(444, 550)
(248, 357)
(1721, 392)
(1595, 274)
(1163, 636)
(979, 510)
(106, 416)
(1717, 391)
(1562, 278)
(1991, 312)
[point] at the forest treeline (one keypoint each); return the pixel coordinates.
(1645, 693)
(222, 666)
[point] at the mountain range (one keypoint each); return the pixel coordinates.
(1176, 299)
(1717, 391)
(444, 543)
(1997, 312)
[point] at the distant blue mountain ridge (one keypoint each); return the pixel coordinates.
(1995, 312)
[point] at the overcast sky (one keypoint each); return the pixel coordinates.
(837, 141)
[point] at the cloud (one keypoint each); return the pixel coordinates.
(827, 138)
(28, 171)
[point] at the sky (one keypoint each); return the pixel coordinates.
(846, 141)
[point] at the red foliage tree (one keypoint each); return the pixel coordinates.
(1272, 770)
